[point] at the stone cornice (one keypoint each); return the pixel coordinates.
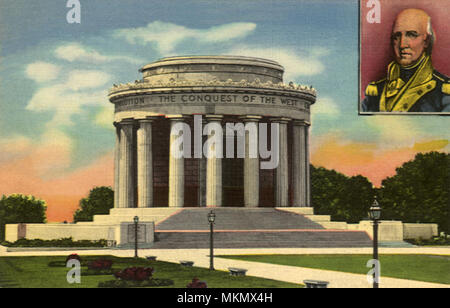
(140, 87)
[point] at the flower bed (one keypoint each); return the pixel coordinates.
(73, 256)
(154, 282)
(133, 277)
(135, 274)
(95, 267)
(197, 284)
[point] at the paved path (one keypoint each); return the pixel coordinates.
(272, 271)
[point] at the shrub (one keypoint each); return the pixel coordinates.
(437, 241)
(100, 265)
(64, 242)
(73, 256)
(197, 284)
(154, 282)
(135, 274)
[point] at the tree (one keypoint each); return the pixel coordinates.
(19, 208)
(99, 201)
(343, 198)
(420, 191)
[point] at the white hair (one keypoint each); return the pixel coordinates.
(431, 36)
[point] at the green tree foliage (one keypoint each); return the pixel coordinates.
(420, 191)
(344, 198)
(18, 208)
(99, 201)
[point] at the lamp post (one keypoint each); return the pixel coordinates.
(374, 215)
(211, 219)
(136, 221)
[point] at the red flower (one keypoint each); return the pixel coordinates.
(135, 273)
(73, 256)
(100, 264)
(197, 284)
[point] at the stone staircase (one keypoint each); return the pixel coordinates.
(237, 219)
(253, 228)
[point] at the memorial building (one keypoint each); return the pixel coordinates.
(196, 91)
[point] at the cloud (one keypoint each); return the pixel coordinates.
(166, 36)
(105, 117)
(42, 71)
(397, 130)
(84, 79)
(66, 99)
(76, 52)
(51, 152)
(296, 64)
(325, 106)
(14, 147)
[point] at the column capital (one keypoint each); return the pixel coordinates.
(301, 123)
(177, 117)
(214, 117)
(250, 118)
(129, 121)
(281, 120)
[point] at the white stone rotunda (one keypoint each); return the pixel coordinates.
(221, 89)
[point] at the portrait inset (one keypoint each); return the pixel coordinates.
(404, 62)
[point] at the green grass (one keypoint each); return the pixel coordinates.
(427, 268)
(34, 272)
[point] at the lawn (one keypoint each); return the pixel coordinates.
(35, 272)
(429, 268)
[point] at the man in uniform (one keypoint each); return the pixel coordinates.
(412, 84)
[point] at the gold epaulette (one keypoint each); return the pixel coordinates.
(446, 88)
(372, 89)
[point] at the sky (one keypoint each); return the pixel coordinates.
(56, 132)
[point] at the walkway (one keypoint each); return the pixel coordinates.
(272, 271)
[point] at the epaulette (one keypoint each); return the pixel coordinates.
(372, 88)
(445, 82)
(446, 88)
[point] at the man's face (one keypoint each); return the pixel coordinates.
(409, 37)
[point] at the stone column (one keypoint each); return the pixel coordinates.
(126, 165)
(308, 167)
(176, 167)
(202, 172)
(214, 166)
(281, 173)
(300, 164)
(251, 161)
(116, 165)
(145, 163)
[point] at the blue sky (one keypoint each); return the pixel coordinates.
(54, 76)
(309, 33)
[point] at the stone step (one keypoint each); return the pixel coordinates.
(298, 210)
(334, 225)
(319, 218)
(115, 219)
(144, 211)
(237, 219)
(263, 239)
